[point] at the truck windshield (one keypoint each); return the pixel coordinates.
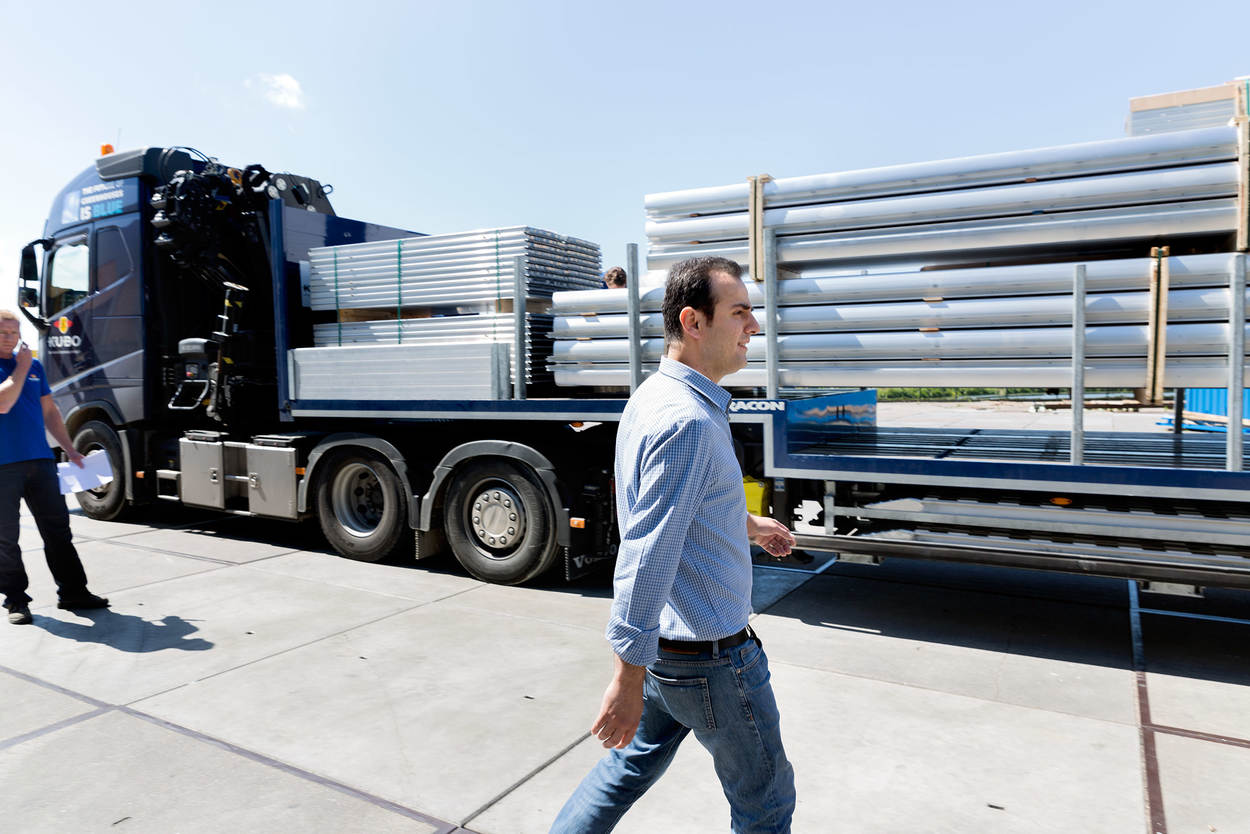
(68, 276)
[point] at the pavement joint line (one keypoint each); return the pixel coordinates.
(303, 645)
(149, 549)
(773, 661)
(95, 702)
(442, 827)
(147, 529)
(495, 800)
(197, 556)
(52, 728)
(477, 587)
(1152, 787)
(1231, 741)
(1163, 612)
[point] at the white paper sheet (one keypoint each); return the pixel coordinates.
(95, 472)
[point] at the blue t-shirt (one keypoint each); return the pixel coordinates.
(21, 428)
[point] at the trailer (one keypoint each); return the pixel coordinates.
(231, 343)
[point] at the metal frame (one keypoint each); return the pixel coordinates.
(1236, 362)
(281, 340)
(634, 310)
(1186, 568)
(520, 294)
(1077, 445)
(772, 323)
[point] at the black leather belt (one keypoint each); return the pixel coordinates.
(705, 646)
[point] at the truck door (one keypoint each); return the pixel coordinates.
(93, 350)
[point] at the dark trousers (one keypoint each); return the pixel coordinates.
(36, 481)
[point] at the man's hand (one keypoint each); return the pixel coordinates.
(75, 457)
(770, 534)
(622, 706)
(24, 358)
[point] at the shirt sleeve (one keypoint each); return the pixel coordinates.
(672, 483)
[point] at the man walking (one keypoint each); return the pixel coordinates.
(27, 470)
(684, 657)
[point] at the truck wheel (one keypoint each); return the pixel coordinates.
(108, 501)
(500, 523)
(361, 506)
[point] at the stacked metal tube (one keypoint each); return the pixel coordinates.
(999, 327)
(882, 282)
(441, 293)
(1090, 194)
(446, 336)
(458, 270)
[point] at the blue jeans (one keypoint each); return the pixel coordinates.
(36, 481)
(728, 702)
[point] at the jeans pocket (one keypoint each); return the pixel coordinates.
(688, 700)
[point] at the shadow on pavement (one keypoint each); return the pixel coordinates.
(126, 632)
(1063, 617)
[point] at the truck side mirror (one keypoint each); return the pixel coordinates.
(28, 273)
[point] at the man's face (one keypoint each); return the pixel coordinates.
(731, 328)
(10, 335)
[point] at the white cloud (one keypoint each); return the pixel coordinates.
(281, 90)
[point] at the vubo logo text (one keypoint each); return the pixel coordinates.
(66, 339)
(757, 405)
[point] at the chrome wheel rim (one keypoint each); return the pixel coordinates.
(358, 499)
(495, 519)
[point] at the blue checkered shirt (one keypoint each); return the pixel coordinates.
(684, 568)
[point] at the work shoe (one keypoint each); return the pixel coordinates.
(19, 614)
(84, 600)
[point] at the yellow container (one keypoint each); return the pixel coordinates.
(759, 495)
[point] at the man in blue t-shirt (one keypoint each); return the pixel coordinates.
(28, 470)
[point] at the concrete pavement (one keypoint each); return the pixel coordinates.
(246, 679)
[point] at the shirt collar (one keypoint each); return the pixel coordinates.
(677, 370)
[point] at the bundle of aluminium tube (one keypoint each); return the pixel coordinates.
(958, 272)
(449, 270)
(1091, 194)
(446, 336)
(1001, 327)
(443, 293)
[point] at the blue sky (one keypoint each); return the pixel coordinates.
(446, 117)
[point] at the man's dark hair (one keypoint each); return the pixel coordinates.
(690, 285)
(615, 278)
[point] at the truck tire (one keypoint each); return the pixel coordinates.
(106, 502)
(361, 506)
(499, 522)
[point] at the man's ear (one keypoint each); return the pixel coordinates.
(690, 320)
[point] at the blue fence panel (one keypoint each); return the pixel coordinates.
(1213, 401)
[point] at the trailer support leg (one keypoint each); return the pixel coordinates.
(635, 311)
(1236, 362)
(1077, 450)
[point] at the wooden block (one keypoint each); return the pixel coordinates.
(1182, 98)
